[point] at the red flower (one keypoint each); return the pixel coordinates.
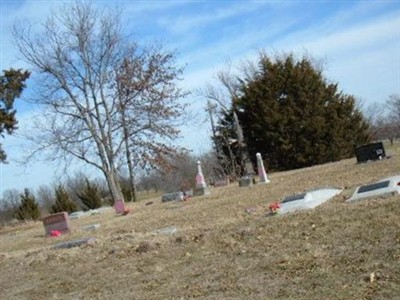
(274, 207)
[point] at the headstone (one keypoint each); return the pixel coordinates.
(383, 188)
(58, 221)
(177, 196)
(76, 215)
(201, 187)
(221, 182)
(307, 200)
(200, 182)
(91, 227)
(119, 206)
(167, 230)
(75, 243)
(262, 175)
(368, 152)
(245, 181)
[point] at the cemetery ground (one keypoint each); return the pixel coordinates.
(219, 251)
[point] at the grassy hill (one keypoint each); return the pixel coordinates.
(337, 251)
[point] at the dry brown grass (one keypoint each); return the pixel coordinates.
(220, 251)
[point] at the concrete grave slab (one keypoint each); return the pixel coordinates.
(308, 200)
(58, 222)
(383, 188)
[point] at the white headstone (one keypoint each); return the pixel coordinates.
(261, 170)
(308, 200)
(200, 182)
(383, 188)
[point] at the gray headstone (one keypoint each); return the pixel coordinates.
(201, 191)
(245, 181)
(177, 196)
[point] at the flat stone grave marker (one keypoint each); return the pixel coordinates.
(76, 215)
(383, 188)
(176, 196)
(167, 230)
(58, 221)
(75, 243)
(91, 227)
(308, 200)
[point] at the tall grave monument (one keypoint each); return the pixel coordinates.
(262, 175)
(201, 186)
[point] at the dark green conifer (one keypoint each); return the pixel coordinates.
(63, 201)
(29, 208)
(90, 196)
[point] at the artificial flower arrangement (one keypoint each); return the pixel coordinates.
(274, 207)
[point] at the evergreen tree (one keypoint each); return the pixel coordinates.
(63, 201)
(12, 84)
(295, 118)
(90, 196)
(29, 208)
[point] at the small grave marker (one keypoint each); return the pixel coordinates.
(167, 230)
(75, 243)
(245, 181)
(308, 200)
(221, 182)
(368, 152)
(91, 227)
(177, 196)
(76, 215)
(58, 222)
(383, 188)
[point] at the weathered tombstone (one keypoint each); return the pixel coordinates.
(58, 221)
(177, 196)
(245, 181)
(221, 182)
(262, 175)
(119, 206)
(201, 187)
(368, 152)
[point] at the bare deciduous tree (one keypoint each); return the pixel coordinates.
(106, 100)
(226, 95)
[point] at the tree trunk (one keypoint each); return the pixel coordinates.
(113, 185)
(247, 166)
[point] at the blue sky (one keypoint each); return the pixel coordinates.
(359, 41)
